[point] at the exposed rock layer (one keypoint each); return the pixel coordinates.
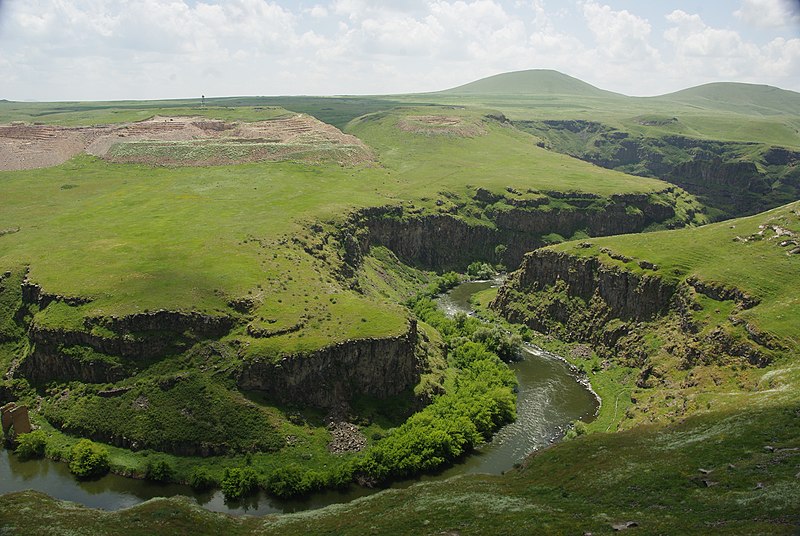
(444, 242)
(326, 377)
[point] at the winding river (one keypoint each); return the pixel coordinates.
(550, 396)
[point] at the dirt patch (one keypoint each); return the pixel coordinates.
(441, 125)
(38, 146)
(182, 141)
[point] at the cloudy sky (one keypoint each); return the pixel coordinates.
(143, 49)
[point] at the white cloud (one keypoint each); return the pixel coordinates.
(98, 49)
(620, 35)
(318, 12)
(768, 13)
(716, 53)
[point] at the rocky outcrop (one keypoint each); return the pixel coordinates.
(439, 242)
(49, 362)
(327, 377)
(109, 354)
(629, 296)
(32, 294)
(582, 299)
(721, 293)
(445, 242)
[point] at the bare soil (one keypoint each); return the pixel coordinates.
(170, 140)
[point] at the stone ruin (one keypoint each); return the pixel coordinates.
(15, 418)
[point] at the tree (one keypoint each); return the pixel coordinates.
(88, 459)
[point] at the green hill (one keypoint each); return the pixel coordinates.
(740, 98)
(531, 82)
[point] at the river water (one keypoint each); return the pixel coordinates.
(549, 398)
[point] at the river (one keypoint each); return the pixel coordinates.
(550, 397)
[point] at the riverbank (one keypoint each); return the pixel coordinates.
(548, 399)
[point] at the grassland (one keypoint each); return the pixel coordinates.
(714, 254)
(116, 233)
(255, 243)
(258, 243)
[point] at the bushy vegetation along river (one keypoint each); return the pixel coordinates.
(549, 398)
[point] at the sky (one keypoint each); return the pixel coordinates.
(148, 49)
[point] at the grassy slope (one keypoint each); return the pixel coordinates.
(530, 82)
(714, 254)
(724, 111)
(122, 234)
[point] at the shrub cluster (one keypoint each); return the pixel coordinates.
(239, 482)
(480, 270)
(88, 459)
(31, 445)
(159, 470)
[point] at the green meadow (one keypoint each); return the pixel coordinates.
(681, 447)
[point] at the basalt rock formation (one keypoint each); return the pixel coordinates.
(583, 299)
(337, 373)
(446, 241)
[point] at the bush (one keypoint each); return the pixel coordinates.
(31, 445)
(292, 480)
(159, 470)
(201, 479)
(238, 482)
(578, 429)
(480, 270)
(88, 459)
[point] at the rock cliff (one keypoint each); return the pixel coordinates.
(628, 296)
(337, 373)
(582, 299)
(447, 241)
(111, 348)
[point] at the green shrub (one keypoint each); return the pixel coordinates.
(578, 428)
(480, 270)
(31, 445)
(238, 482)
(201, 479)
(292, 481)
(159, 470)
(88, 459)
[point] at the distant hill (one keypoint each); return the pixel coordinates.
(530, 82)
(738, 97)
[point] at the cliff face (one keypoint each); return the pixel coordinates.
(337, 373)
(582, 299)
(445, 242)
(628, 296)
(125, 343)
(724, 175)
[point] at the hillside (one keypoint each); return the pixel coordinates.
(530, 82)
(712, 444)
(201, 300)
(738, 98)
(239, 295)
